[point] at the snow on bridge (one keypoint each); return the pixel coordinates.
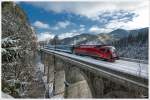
(128, 67)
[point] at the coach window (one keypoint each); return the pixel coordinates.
(107, 51)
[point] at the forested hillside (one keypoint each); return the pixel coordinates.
(134, 46)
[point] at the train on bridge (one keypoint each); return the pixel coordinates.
(103, 52)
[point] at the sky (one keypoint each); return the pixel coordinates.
(67, 19)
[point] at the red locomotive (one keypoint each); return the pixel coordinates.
(98, 51)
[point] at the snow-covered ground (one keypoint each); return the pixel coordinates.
(6, 96)
(132, 68)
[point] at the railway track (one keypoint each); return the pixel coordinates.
(122, 58)
(134, 60)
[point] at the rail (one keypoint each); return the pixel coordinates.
(134, 60)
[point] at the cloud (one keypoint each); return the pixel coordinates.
(82, 8)
(82, 29)
(45, 36)
(97, 9)
(82, 26)
(63, 24)
(121, 15)
(54, 28)
(67, 34)
(41, 25)
(96, 29)
(140, 21)
(73, 31)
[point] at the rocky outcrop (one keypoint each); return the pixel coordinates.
(19, 46)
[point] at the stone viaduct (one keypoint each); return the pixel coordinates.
(69, 79)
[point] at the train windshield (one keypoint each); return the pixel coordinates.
(112, 49)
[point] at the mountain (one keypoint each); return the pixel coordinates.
(101, 38)
(119, 33)
(142, 30)
(105, 38)
(82, 39)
